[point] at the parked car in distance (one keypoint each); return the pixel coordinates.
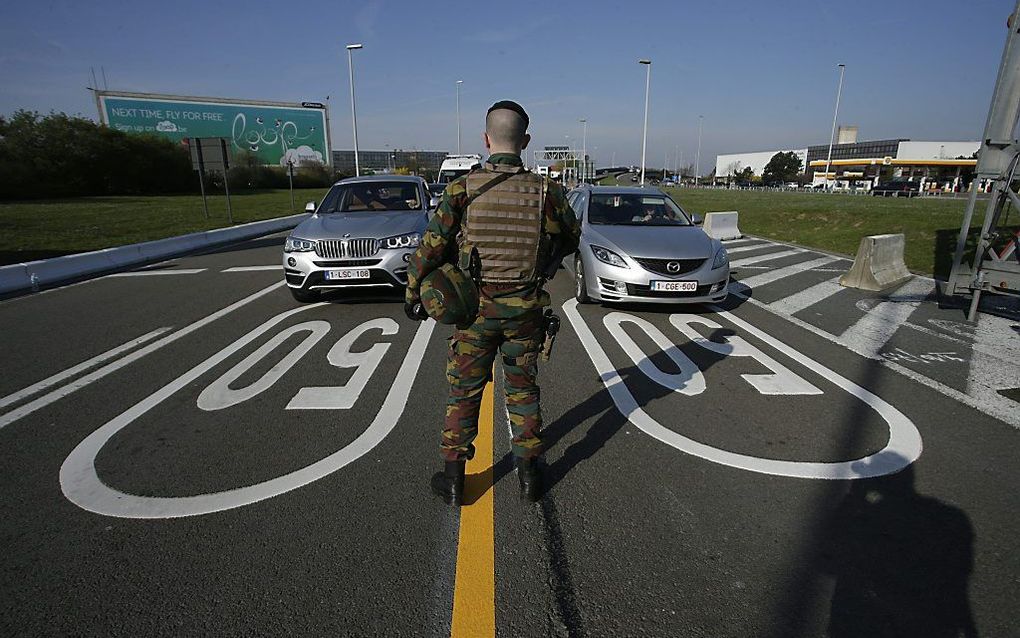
(359, 237)
(896, 188)
(638, 245)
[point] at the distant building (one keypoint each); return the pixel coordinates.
(385, 161)
(936, 165)
(726, 166)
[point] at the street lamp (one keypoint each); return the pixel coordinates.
(584, 149)
(697, 162)
(644, 135)
(832, 135)
(459, 82)
(354, 111)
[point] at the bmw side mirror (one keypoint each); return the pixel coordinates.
(310, 207)
(697, 219)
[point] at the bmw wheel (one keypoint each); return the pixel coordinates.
(580, 285)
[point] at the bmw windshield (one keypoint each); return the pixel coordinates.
(371, 196)
(635, 209)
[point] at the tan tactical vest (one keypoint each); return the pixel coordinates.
(503, 223)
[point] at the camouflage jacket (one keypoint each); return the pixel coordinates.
(438, 246)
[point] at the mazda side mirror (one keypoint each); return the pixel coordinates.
(697, 219)
(310, 207)
(434, 202)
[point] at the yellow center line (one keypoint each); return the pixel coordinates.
(474, 592)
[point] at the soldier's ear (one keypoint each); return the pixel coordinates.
(527, 139)
(485, 139)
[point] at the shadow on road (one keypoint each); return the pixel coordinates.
(901, 561)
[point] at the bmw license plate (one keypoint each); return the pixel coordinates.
(348, 273)
(675, 286)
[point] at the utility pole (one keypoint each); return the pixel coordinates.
(832, 135)
(459, 82)
(644, 134)
(697, 164)
(584, 149)
(354, 110)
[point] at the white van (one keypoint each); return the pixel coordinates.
(455, 166)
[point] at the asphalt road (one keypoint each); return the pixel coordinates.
(194, 453)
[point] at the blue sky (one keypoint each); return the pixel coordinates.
(763, 74)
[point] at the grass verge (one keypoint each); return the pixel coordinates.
(837, 223)
(49, 228)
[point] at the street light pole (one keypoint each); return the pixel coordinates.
(832, 135)
(644, 134)
(354, 110)
(459, 82)
(697, 162)
(584, 149)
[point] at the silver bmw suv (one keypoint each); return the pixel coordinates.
(360, 236)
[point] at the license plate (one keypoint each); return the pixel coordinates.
(348, 273)
(675, 286)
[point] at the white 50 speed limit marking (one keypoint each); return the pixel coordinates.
(903, 448)
(83, 487)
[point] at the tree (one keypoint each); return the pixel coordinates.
(783, 167)
(745, 175)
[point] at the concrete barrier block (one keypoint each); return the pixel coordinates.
(722, 226)
(878, 264)
(50, 271)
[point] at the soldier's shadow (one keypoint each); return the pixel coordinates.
(609, 420)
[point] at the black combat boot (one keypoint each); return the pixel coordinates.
(529, 473)
(449, 484)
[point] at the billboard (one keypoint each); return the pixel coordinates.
(277, 132)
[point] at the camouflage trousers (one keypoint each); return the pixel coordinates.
(469, 368)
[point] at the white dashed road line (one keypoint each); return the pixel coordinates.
(147, 273)
(757, 258)
(780, 273)
(81, 367)
(253, 268)
(805, 298)
(871, 332)
(59, 393)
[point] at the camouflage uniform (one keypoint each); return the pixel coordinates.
(509, 320)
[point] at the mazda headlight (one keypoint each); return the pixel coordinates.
(410, 240)
(721, 259)
(607, 256)
(298, 245)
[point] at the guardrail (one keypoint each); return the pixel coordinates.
(34, 274)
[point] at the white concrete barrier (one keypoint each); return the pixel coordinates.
(722, 226)
(48, 271)
(878, 264)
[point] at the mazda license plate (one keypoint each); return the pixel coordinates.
(348, 273)
(675, 286)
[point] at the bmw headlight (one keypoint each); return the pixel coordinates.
(410, 240)
(721, 259)
(607, 256)
(298, 245)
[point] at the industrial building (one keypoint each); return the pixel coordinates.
(935, 165)
(388, 161)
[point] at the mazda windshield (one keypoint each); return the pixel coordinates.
(371, 196)
(635, 209)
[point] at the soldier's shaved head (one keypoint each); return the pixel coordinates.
(506, 128)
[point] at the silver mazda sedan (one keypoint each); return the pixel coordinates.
(638, 245)
(359, 237)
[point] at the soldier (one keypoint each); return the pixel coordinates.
(506, 224)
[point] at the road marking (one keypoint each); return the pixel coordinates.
(169, 271)
(81, 367)
(903, 448)
(780, 273)
(689, 380)
(474, 593)
(81, 382)
(805, 298)
(869, 334)
(253, 268)
(83, 487)
(997, 406)
(753, 260)
(743, 249)
(994, 365)
(738, 242)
